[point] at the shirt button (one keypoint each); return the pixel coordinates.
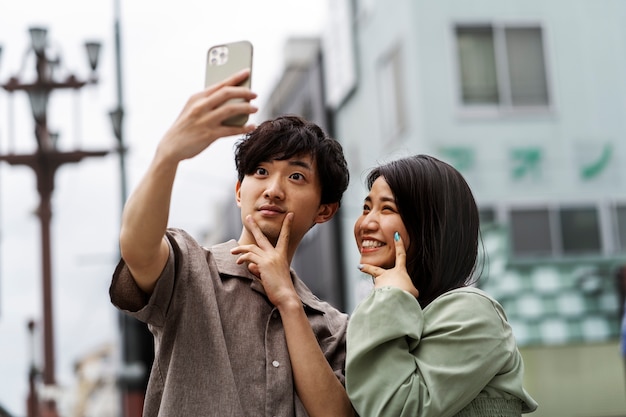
(275, 315)
(275, 364)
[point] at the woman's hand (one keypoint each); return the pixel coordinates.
(395, 277)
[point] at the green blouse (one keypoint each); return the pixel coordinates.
(456, 357)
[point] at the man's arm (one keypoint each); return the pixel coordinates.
(321, 393)
(144, 220)
(318, 387)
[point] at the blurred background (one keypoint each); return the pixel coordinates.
(525, 98)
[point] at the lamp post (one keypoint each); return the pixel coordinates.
(137, 348)
(45, 161)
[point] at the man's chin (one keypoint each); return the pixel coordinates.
(271, 233)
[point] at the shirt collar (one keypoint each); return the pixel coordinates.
(227, 265)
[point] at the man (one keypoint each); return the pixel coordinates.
(236, 332)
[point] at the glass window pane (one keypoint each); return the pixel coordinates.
(527, 72)
(477, 65)
(620, 212)
(390, 84)
(530, 232)
(580, 230)
(486, 215)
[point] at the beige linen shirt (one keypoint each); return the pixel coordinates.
(220, 346)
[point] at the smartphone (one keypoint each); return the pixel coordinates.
(223, 61)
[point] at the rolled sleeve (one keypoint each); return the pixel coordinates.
(126, 295)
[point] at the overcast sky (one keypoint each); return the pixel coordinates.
(164, 46)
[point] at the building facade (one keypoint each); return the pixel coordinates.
(527, 100)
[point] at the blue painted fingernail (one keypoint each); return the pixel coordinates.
(360, 266)
(396, 236)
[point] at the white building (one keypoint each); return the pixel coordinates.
(527, 98)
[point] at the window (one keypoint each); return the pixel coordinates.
(580, 230)
(479, 84)
(502, 66)
(390, 87)
(530, 232)
(620, 217)
(562, 231)
(486, 215)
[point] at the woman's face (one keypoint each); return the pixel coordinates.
(374, 229)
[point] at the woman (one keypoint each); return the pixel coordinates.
(424, 342)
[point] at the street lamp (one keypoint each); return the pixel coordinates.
(93, 52)
(38, 40)
(45, 161)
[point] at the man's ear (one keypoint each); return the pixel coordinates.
(326, 212)
(238, 193)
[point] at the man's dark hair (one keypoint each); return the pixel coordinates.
(287, 136)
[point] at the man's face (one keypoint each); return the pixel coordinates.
(279, 187)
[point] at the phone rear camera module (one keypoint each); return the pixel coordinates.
(218, 55)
